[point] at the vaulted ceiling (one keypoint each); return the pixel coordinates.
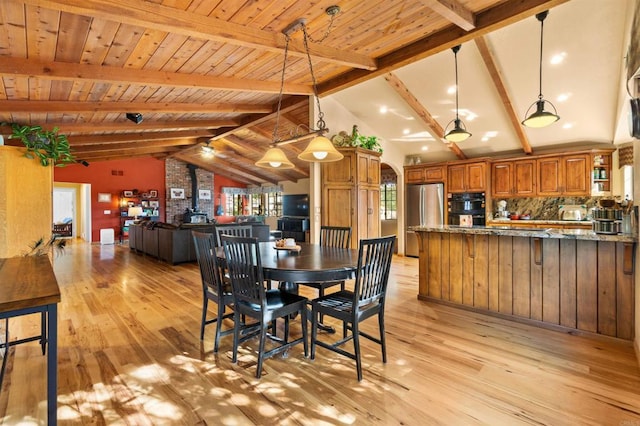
(205, 70)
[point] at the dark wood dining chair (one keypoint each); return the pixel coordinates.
(213, 286)
(366, 300)
(331, 236)
(252, 298)
(233, 229)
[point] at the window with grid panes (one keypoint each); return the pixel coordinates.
(388, 197)
(274, 204)
(255, 202)
(233, 205)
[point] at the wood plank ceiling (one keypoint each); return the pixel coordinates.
(209, 70)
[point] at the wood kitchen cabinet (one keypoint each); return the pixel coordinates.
(513, 178)
(425, 174)
(564, 175)
(467, 177)
(351, 193)
(601, 173)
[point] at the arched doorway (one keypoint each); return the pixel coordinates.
(389, 201)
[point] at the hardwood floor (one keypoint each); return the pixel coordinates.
(129, 353)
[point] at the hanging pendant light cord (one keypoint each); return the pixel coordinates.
(284, 67)
(541, 17)
(455, 56)
(321, 124)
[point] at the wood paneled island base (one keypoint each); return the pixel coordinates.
(554, 278)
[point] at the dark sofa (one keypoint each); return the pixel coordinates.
(175, 244)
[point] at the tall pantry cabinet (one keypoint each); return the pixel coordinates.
(351, 193)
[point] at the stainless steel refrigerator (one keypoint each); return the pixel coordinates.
(425, 207)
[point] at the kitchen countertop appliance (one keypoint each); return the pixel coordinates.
(607, 220)
(425, 207)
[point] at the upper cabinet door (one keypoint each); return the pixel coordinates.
(476, 177)
(340, 172)
(550, 172)
(577, 174)
(524, 178)
(501, 179)
(455, 180)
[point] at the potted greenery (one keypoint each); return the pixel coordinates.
(357, 140)
(40, 247)
(48, 146)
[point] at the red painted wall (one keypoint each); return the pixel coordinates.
(219, 197)
(113, 177)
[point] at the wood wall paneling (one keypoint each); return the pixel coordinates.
(494, 273)
(456, 267)
(568, 283)
(624, 292)
(586, 287)
(522, 267)
(576, 284)
(506, 259)
(481, 273)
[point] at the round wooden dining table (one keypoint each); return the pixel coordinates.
(312, 263)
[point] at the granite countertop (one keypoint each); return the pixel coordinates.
(572, 234)
(539, 222)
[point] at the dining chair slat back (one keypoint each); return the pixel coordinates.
(335, 236)
(213, 286)
(232, 229)
(251, 298)
(366, 300)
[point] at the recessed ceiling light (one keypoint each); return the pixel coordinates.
(383, 109)
(563, 97)
(451, 90)
(567, 125)
(425, 148)
(406, 131)
(484, 139)
(558, 58)
(491, 134)
(467, 115)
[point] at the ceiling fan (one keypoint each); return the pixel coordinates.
(208, 151)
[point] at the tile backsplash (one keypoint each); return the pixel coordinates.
(543, 208)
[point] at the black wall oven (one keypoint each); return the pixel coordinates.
(468, 203)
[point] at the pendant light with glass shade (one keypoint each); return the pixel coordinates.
(320, 149)
(540, 117)
(459, 132)
(274, 157)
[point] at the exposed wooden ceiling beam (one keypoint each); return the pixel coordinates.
(20, 67)
(129, 126)
(433, 126)
(120, 155)
(137, 137)
(111, 157)
(220, 165)
(172, 20)
(454, 11)
(121, 146)
(492, 19)
(123, 107)
(289, 103)
(496, 77)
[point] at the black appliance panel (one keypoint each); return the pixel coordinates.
(469, 203)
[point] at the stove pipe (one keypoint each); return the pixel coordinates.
(194, 186)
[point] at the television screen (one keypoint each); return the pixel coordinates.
(295, 205)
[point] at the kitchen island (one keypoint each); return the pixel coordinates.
(569, 279)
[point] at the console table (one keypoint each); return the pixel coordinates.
(27, 286)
